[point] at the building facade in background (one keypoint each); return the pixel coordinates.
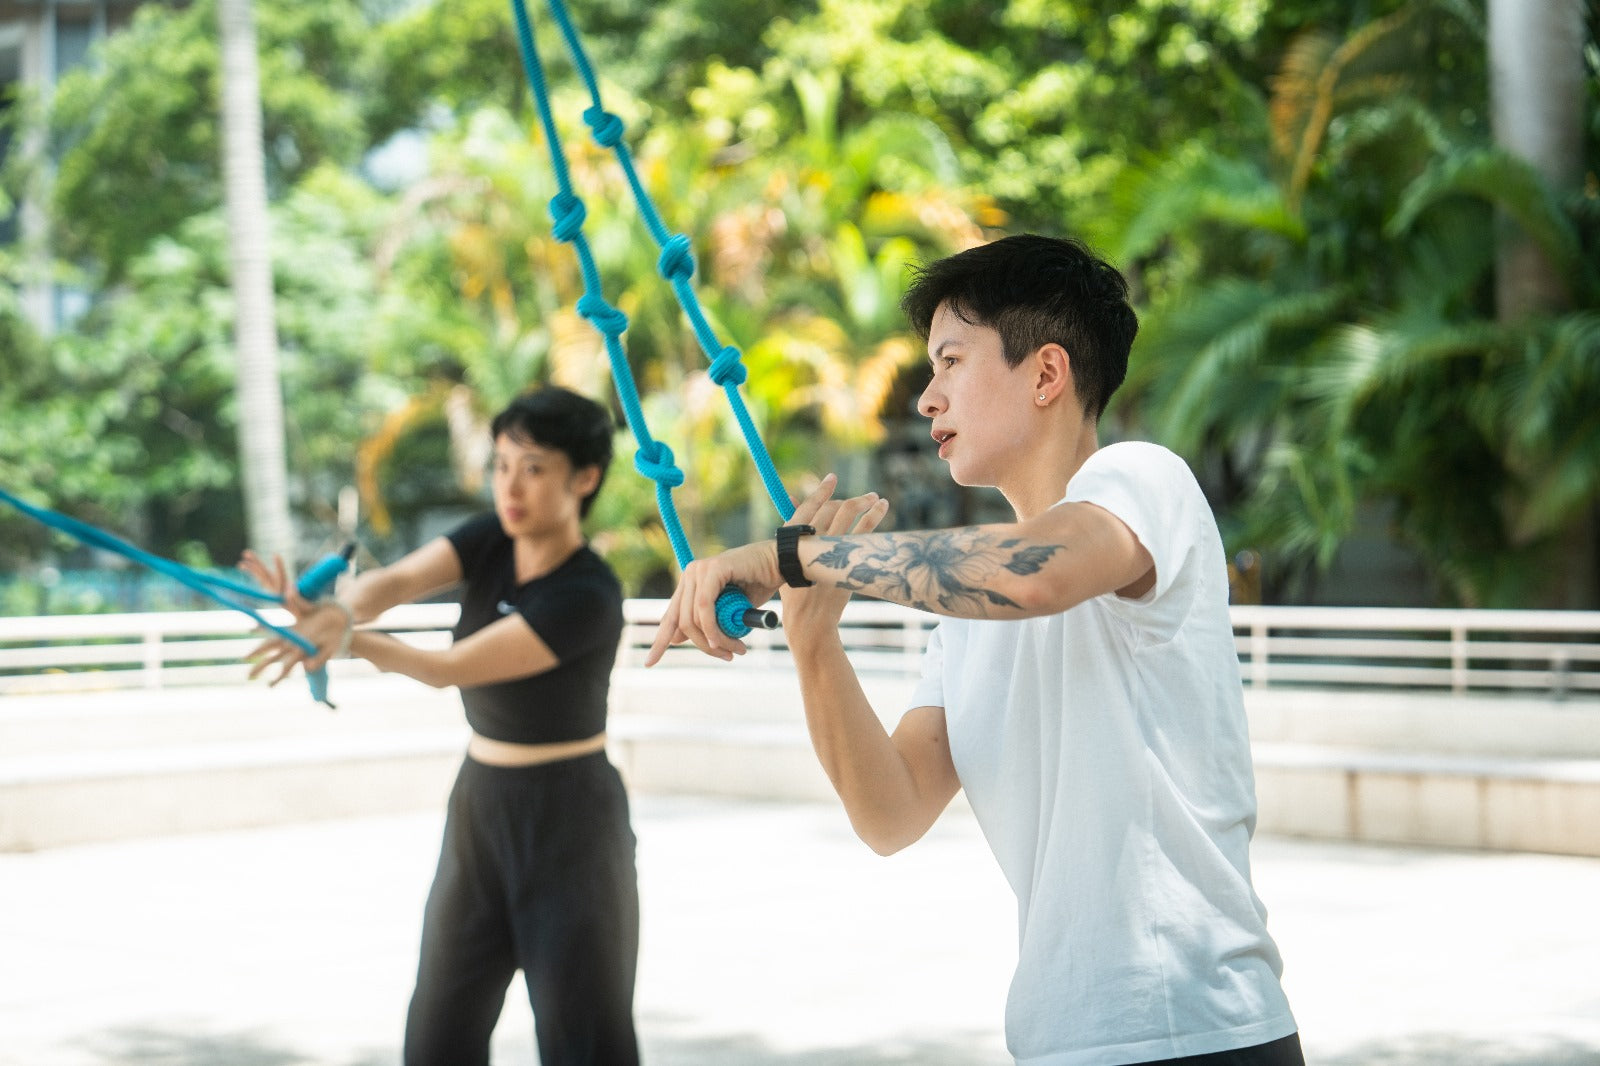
(40, 41)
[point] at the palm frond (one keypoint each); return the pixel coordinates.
(1553, 384)
(907, 139)
(1191, 187)
(1297, 89)
(1398, 119)
(1565, 485)
(373, 452)
(1306, 499)
(878, 374)
(936, 217)
(818, 93)
(1379, 86)
(1386, 356)
(870, 284)
(1507, 182)
(1443, 261)
(1215, 351)
(1319, 75)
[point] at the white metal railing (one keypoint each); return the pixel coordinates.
(67, 652)
(1554, 652)
(1557, 652)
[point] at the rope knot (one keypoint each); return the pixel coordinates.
(607, 127)
(677, 261)
(654, 461)
(566, 215)
(726, 369)
(603, 316)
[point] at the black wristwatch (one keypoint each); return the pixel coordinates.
(789, 555)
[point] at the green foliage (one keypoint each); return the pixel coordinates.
(134, 420)
(19, 347)
(1305, 206)
(140, 126)
(1045, 102)
(459, 56)
(1322, 333)
(1511, 185)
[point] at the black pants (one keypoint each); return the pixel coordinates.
(536, 873)
(1285, 1052)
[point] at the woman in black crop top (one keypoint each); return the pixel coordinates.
(537, 868)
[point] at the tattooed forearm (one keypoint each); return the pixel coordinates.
(950, 571)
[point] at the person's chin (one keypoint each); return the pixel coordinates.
(962, 475)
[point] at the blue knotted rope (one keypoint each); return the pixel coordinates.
(676, 264)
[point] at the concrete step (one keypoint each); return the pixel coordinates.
(1514, 803)
(86, 766)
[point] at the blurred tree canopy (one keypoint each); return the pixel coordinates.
(1322, 337)
(1302, 191)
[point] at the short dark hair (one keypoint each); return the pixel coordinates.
(1035, 291)
(558, 418)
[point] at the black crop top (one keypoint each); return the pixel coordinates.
(576, 609)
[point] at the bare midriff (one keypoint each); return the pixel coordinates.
(504, 753)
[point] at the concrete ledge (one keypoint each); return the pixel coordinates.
(753, 760)
(160, 798)
(1427, 721)
(1510, 804)
(103, 766)
(96, 766)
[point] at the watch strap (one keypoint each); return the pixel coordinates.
(789, 555)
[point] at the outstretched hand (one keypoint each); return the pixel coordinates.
(276, 581)
(691, 614)
(323, 624)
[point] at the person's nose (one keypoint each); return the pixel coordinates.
(932, 400)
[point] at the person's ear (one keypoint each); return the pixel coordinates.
(1052, 372)
(585, 480)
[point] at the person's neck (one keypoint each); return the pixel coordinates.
(1042, 480)
(537, 555)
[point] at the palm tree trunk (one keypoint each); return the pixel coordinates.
(1537, 94)
(259, 392)
(1536, 89)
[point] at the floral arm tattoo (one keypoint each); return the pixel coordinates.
(946, 571)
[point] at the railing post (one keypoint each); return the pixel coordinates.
(1561, 675)
(1258, 654)
(151, 678)
(1458, 659)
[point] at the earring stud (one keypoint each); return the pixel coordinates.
(1041, 396)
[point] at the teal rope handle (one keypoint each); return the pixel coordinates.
(653, 459)
(313, 585)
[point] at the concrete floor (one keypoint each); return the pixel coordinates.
(770, 938)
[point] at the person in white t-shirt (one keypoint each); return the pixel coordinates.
(1082, 688)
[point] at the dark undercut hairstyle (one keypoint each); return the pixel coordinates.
(564, 421)
(1035, 291)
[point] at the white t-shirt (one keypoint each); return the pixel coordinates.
(1105, 753)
